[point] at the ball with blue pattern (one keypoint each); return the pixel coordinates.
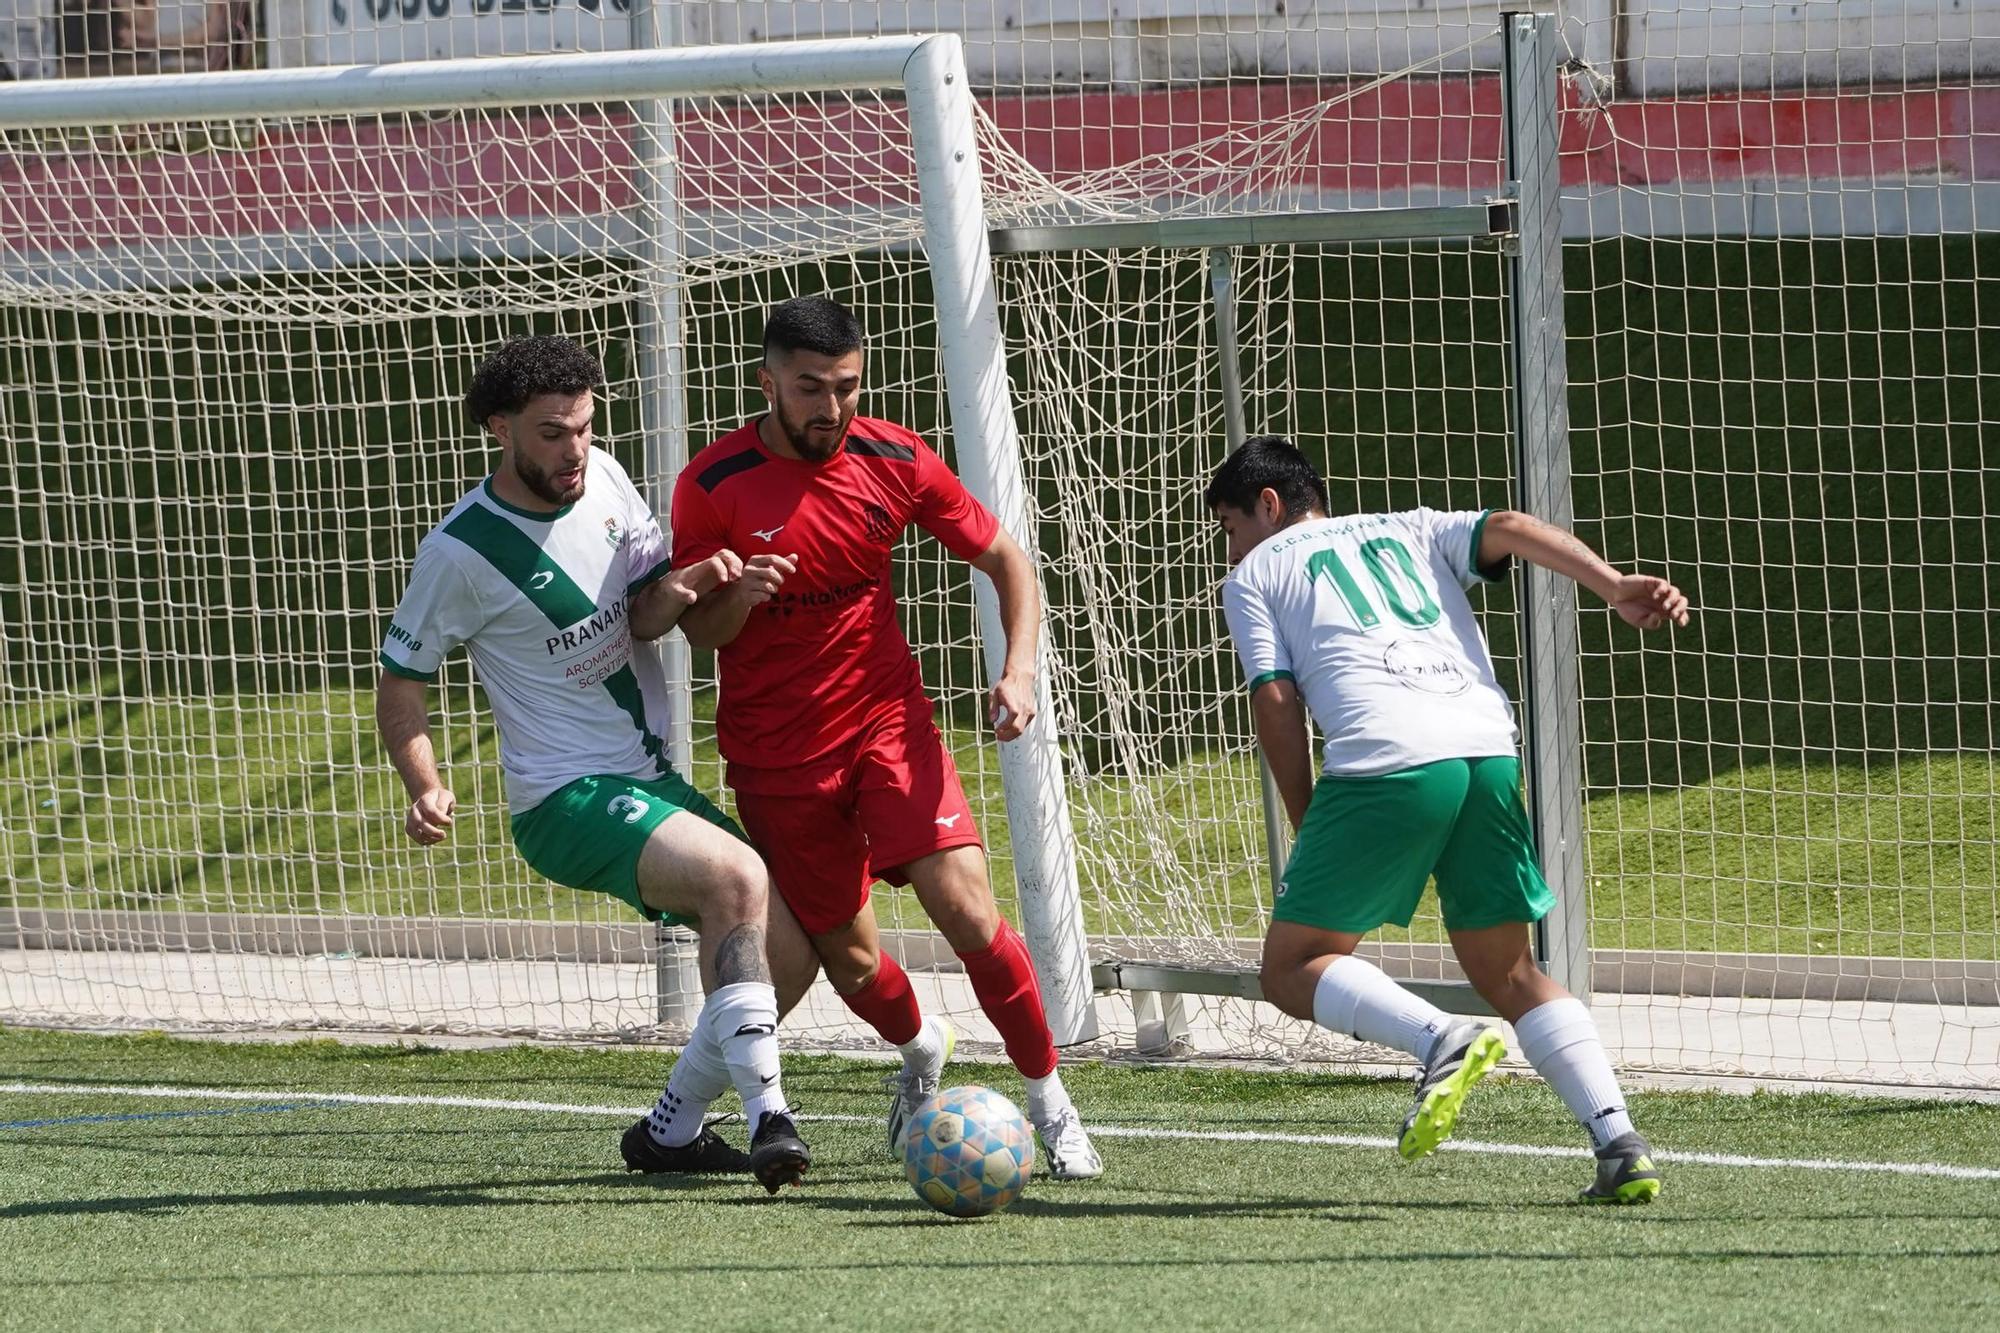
(969, 1152)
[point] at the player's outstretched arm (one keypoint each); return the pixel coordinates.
(1644, 600)
(402, 712)
(1281, 730)
(714, 622)
(660, 603)
(1010, 704)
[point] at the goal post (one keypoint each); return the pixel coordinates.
(658, 335)
(974, 358)
(828, 65)
(1551, 704)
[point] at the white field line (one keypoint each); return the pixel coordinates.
(1941, 1169)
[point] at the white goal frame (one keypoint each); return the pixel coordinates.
(929, 71)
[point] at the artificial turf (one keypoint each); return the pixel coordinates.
(279, 1213)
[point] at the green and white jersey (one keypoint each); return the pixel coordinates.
(539, 601)
(1368, 614)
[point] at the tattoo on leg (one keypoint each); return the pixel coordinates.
(740, 956)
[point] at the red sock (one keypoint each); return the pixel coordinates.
(1003, 977)
(887, 1003)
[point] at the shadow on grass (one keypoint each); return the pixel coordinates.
(1032, 1262)
(457, 1194)
(497, 1193)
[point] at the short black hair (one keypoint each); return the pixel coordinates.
(1267, 462)
(523, 369)
(813, 324)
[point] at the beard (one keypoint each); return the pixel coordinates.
(544, 483)
(800, 434)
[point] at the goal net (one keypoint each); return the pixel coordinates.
(235, 347)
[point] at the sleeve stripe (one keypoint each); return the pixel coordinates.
(1268, 677)
(651, 576)
(868, 448)
(724, 468)
(1472, 565)
(396, 668)
(1478, 530)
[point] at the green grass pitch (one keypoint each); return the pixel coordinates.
(127, 1212)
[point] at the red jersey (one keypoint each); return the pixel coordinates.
(814, 662)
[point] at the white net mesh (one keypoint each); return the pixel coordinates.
(235, 350)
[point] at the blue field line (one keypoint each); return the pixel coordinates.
(268, 1108)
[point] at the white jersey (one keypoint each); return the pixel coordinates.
(1368, 615)
(539, 600)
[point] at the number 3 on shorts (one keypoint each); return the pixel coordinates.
(630, 807)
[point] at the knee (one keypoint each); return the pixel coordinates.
(958, 899)
(968, 921)
(738, 892)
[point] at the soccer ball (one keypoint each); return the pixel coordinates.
(969, 1152)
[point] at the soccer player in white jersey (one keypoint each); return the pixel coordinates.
(547, 571)
(1363, 620)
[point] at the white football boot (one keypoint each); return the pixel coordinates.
(913, 1085)
(1067, 1148)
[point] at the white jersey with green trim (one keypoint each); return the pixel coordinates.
(1368, 615)
(539, 601)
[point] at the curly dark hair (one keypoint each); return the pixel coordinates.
(1267, 462)
(522, 369)
(814, 324)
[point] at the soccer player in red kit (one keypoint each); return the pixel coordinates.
(839, 772)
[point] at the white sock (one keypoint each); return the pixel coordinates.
(1047, 1096)
(1356, 998)
(927, 1047)
(699, 1077)
(742, 1018)
(1561, 1042)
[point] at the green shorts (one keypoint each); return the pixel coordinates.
(1369, 845)
(588, 835)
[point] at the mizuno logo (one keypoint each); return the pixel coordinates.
(765, 534)
(950, 821)
(542, 580)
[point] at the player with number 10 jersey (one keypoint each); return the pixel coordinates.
(1362, 620)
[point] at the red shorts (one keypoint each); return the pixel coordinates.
(831, 827)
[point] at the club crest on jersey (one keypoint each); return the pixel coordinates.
(612, 536)
(880, 526)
